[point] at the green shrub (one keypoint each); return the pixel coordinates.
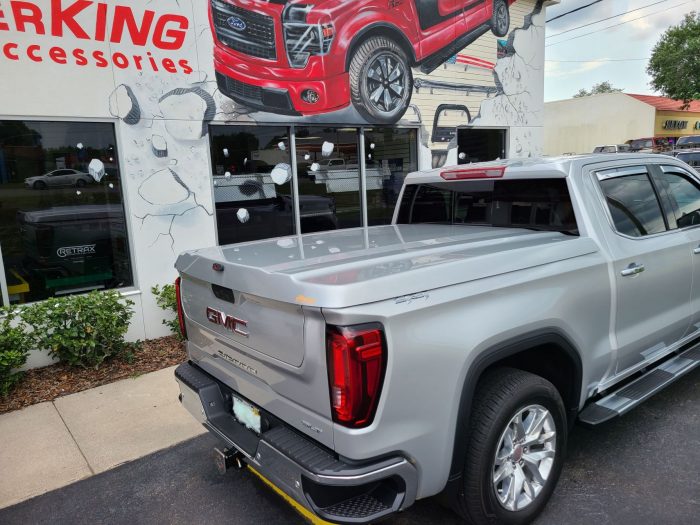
(15, 343)
(81, 330)
(167, 300)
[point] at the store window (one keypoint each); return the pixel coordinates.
(390, 156)
(62, 223)
(252, 182)
(329, 178)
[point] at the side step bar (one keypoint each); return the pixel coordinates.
(632, 394)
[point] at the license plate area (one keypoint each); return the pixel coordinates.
(246, 414)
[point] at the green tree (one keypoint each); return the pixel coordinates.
(597, 89)
(674, 65)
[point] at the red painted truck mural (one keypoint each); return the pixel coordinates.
(309, 57)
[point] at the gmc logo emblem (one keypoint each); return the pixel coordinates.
(229, 322)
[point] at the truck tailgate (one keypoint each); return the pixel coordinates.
(273, 328)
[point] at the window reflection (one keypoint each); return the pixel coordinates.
(329, 178)
(252, 182)
(390, 156)
(62, 224)
(633, 205)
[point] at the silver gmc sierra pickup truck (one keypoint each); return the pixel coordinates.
(452, 351)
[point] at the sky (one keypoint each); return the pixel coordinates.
(619, 54)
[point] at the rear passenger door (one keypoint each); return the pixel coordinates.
(683, 191)
(651, 266)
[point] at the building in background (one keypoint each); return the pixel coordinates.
(578, 125)
(130, 132)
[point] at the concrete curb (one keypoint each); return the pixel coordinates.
(53, 444)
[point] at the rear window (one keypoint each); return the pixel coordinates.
(693, 159)
(539, 204)
(687, 141)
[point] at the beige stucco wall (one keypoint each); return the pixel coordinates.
(578, 125)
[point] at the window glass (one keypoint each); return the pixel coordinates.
(692, 159)
(690, 140)
(541, 204)
(686, 195)
(633, 205)
(252, 182)
(390, 154)
(62, 224)
(329, 178)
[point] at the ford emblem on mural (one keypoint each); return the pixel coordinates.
(236, 23)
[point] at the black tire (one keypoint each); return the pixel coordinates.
(362, 70)
(500, 395)
(500, 19)
(80, 183)
(39, 185)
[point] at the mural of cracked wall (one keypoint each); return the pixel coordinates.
(169, 76)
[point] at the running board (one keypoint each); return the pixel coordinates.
(632, 394)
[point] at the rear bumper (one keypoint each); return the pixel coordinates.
(333, 488)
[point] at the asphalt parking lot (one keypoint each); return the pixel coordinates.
(641, 469)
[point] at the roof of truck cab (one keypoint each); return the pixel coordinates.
(536, 167)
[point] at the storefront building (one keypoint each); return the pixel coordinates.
(133, 131)
(579, 125)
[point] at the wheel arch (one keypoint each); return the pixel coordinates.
(381, 29)
(563, 368)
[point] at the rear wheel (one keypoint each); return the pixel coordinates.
(381, 81)
(500, 19)
(514, 449)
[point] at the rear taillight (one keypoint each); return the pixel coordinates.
(180, 313)
(356, 365)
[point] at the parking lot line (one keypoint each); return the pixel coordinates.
(299, 508)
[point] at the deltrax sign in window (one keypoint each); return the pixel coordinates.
(62, 224)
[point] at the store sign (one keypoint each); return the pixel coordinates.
(675, 124)
(76, 21)
(72, 251)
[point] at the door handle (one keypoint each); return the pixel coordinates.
(632, 269)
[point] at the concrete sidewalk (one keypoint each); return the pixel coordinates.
(50, 445)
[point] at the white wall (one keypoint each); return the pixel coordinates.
(578, 125)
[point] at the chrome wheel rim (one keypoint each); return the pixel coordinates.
(524, 457)
(502, 18)
(386, 83)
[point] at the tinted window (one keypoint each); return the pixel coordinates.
(329, 178)
(390, 154)
(686, 141)
(252, 182)
(58, 239)
(538, 204)
(686, 195)
(693, 159)
(633, 205)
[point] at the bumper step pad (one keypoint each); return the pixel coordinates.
(314, 476)
(641, 389)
